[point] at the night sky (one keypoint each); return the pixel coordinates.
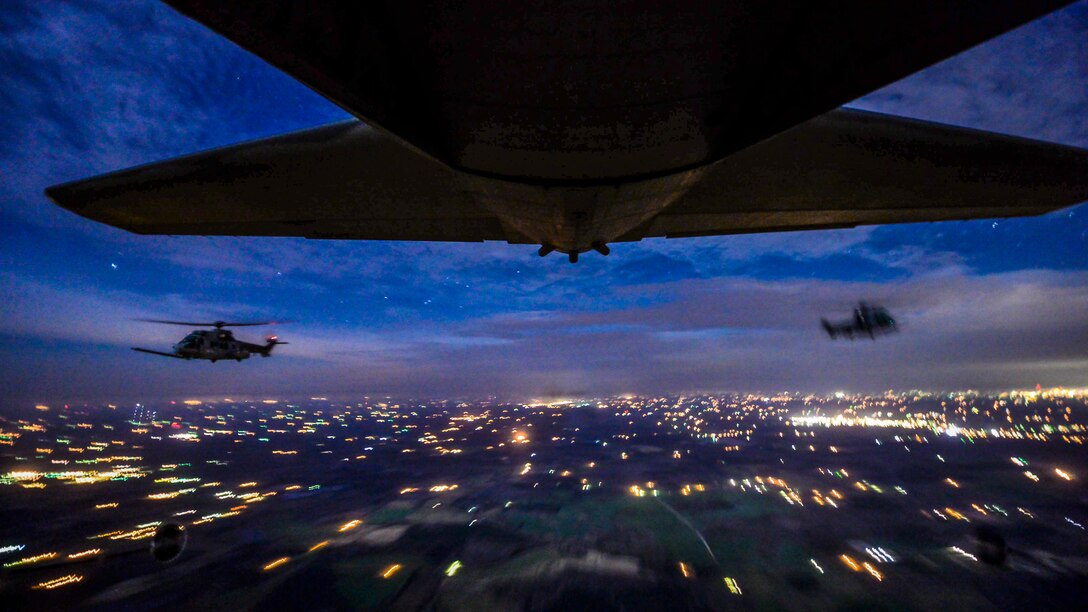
(94, 86)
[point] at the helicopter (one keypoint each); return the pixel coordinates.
(214, 344)
(871, 320)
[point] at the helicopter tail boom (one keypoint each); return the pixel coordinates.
(160, 353)
(266, 350)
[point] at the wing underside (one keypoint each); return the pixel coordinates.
(348, 181)
(338, 181)
(850, 168)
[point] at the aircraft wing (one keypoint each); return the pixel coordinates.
(851, 167)
(843, 169)
(160, 353)
(339, 181)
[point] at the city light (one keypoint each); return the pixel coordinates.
(609, 481)
(348, 526)
(59, 582)
(872, 571)
(274, 564)
(33, 559)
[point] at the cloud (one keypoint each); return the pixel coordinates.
(995, 331)
(744, 334)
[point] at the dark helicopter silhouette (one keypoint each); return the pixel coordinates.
(868, 320)
(215, 344)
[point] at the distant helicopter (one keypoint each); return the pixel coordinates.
(214, 344)
(868, 320)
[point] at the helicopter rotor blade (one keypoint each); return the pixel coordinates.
(215, 324)
(189, 323)
(248, 323)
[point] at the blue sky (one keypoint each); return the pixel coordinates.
(90, 87)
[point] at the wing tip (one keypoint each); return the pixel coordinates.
(56, 194)
(66, 196)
